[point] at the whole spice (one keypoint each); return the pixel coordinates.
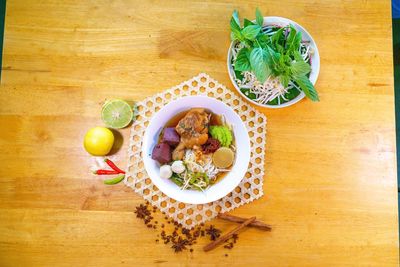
(228, 235)
(213, 232)
(180, 244)
(105, 172)
(257, 224)
(180, 238)
(113, 166)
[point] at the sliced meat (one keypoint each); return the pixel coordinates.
(161, 153)
(171, 137)
(193, 130)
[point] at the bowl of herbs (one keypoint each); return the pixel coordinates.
(272, 61)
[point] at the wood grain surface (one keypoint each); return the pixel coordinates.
(330, 182)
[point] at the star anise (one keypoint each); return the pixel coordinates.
(180, 244)
(142, 212)
(213, 232)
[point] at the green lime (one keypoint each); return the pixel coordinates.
(116, 113)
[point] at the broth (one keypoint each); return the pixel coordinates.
(215, 120)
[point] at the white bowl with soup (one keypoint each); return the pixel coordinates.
(225, 180)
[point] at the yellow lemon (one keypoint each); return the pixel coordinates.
(98, 141)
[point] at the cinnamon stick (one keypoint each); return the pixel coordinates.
(228, 235)
(256, 224)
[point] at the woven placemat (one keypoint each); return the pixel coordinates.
(250, 188)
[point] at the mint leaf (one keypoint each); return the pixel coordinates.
(242, 62)
(300, 68)
(235, 16)
(259, 17)
(250, 32)
(259, 64)
(307, 87)
(248, 22)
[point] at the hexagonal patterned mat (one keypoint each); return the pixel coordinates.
(250, 188)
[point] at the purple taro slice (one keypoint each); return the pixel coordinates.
(161, 153)
(170, 137)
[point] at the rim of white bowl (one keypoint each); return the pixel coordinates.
(234, 177)
(314, 67)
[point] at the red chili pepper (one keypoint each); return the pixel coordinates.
(113, 166)
(105, 172)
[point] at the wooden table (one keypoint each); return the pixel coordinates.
(330, 183)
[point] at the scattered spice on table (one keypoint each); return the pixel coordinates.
(213, 232)
(180, 238)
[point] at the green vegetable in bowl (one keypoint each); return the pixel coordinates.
(271, 63)
(222, 133)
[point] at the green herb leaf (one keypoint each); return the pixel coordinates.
(248, 22)
(291, 36)
(259, 64)
(233, 37)
(300, 68)
(242, 60)
(278, 37)
(235, 16)
(284, 78)
(250, 32)
(294, 43)
(259, 17)
(307, 87)
(297, 56)
(235, 28)
(263, 40)
(272, 56)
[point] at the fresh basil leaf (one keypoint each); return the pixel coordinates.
(307, 87)
(235, 16)
(235, 28)
(250, 32)
(278, 37)
(242, 60)
(300, 68)
(263, 40)
(259, 17)
(259, 64)
(272, 56)
(248, 22)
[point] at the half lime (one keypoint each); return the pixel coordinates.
(116, 113)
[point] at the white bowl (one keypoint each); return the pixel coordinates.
(315, 61)
(225, 185)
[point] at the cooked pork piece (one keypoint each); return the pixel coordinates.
(193, 129)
